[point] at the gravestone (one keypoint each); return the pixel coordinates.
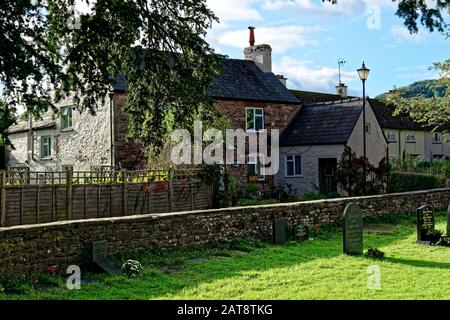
(279, 231)
(448, 221)
(100, 257)
(425, 223)
(353, 230)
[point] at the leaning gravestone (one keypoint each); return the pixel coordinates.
(100, 257)
(425, 223)
(279, 231)
(353, 230)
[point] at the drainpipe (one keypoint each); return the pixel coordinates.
(31, 138)
(111, 127)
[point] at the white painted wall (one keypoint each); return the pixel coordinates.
(376, 145)
(86, 144)
(309, 181)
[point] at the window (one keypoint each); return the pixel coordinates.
(391, 136)
(46, 146)
(293, 166)
(255, 119)
(255, 167)
(411, 137)
(68, 168)
(437, 138)
(66, 118)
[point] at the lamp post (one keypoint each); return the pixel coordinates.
(363, 73)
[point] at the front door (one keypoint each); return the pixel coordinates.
(327, 175)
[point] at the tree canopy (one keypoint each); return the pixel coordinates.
(158, 46)
(413, 12)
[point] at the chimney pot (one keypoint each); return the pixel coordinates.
(252, 36)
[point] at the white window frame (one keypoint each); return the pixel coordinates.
(49, 142)
(262, 115)
(439, 136)
(257, 160)
(63, 118)
(391, 136)
(411, 134)
(286, 160)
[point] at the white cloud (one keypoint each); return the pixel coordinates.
(234, 10)
(280, 38)
(401, 34)
(318, 8)
(312, 76)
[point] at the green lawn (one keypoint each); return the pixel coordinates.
(315, 269)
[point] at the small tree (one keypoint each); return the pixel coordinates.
(350, 174)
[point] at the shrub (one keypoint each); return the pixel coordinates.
(403, 182)
(253, 202)
(375, 253)
(284, 192)
(252, 191)
(310, 196)
(132, 268)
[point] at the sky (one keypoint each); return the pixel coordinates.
(308, 38)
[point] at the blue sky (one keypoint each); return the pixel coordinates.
(308, 37)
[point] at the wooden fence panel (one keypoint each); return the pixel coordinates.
(61, 197)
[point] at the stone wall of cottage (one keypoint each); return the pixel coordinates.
(86, 144)
(26, 249)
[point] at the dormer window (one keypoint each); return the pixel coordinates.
(255, 119)
(66, 118)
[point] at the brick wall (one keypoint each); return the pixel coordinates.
(33, 248)
(276, 116)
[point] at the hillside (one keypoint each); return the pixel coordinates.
(425, 88)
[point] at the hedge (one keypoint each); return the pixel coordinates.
(403, 182)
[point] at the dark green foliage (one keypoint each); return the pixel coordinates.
(310, 196)
(256, 202)
(434, 236)
(223, 184)
(252, 191)
(158, 46)
(424, 89)
(283, 192)
(414, 11)
(375, 253)
(403, 182)
(350, 174)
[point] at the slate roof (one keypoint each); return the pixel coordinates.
(384, 114)
(241, 80)
(310, 96)
(323, 124)
(23, 125)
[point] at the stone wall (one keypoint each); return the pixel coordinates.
(35, 247)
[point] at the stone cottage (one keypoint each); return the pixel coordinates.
(246, 92)
(313, 143)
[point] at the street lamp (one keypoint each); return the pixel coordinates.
(363, 75)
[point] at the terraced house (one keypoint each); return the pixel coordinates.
(246, 92)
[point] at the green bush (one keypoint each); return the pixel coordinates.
(253, 202)
(310, 196)
(252, 191)
(403, 182)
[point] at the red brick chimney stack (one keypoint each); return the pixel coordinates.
(252, 36)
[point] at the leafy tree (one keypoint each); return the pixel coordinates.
(433, 111)
(350, 174)
(158, 46)
(413, 11)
